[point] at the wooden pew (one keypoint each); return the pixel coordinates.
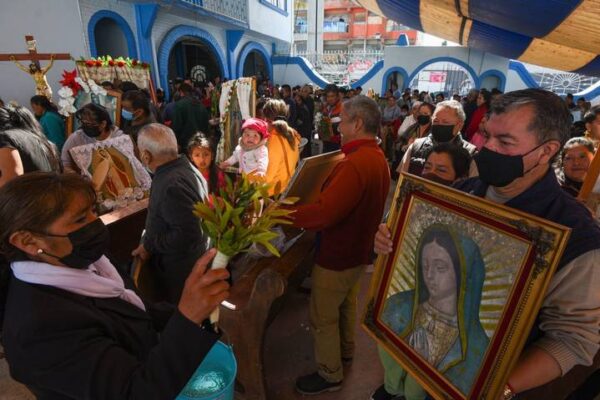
(125, 226)
(254, 293)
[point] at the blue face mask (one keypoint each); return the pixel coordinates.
(128, 115)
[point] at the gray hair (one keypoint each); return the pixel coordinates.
(158, 139)
(367, 110)
(551, 119)
(454, 105)
(415, 106)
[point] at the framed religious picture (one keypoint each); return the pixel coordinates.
(117, 175)
(454, 302)
(310, 175)
(111, 101)
(590, 190)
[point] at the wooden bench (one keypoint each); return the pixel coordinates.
(254, 293)
(125, 226)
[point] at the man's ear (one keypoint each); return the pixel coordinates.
(25, 241)
(550, 149)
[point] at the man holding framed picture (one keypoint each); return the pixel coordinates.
(346, 215)
(525, 132)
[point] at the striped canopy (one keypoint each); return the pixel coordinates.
(559, 34)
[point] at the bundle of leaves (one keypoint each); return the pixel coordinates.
(242, 215)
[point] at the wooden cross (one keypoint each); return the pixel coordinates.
(33, 55)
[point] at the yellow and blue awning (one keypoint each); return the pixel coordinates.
(559, 34)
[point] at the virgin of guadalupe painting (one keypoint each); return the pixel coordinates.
(439, 318)
(455, 300)
(116, 174)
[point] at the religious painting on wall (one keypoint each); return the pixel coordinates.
(310, 175)
(116, 174)
(454, 302)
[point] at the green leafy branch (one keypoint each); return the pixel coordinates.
(242, 215)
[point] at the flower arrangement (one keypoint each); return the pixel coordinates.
(323, 126)
(241, 216)
(108, 61)
(71, 86)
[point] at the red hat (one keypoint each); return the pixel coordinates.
(258, 125)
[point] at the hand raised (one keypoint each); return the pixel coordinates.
(204, 290)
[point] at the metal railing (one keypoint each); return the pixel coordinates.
(234, 9)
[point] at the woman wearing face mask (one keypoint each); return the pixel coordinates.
(136, 110)
(419, 129)
(95, 125)
(75, 328)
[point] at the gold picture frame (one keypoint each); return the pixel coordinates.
(454, 302)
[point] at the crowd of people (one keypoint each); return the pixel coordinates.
(74, 325)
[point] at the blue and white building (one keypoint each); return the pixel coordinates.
(178, 38)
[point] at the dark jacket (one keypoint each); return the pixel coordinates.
(190, 117)
(173, 234)
(303, 122)
(67, 346)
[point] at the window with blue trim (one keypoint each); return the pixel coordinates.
(278, 5)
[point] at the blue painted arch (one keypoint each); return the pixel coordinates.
(498, 74)
(100, 15)
(525, 76)
(456, 61)
(387, 74)
(246, 50)
(378, 66)
(173, 37)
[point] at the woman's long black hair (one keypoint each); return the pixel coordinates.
(200, 140)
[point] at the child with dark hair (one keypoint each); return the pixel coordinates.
(200, 152)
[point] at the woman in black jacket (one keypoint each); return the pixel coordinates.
(73, 327)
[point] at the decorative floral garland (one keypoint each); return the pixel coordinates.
(71, 85)
(108, 61)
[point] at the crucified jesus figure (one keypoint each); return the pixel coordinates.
(39, 75)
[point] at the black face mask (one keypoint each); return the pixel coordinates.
(423, 119)
(442, 133)
(497, 169)
(89, 242)
(433, 177)
(91, 131)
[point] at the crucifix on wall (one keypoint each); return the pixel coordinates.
(35, 70)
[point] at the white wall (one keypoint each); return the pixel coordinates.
(269, 22)
(514, 82)
(56, 26)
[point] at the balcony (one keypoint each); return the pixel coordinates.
(236, 10)
(333, 4)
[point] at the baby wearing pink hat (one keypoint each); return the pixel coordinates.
(251, 153)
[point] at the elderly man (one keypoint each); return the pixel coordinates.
(447, 121)
(525, 132)
(346, 214)
(173, 238)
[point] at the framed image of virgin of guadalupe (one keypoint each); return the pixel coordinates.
(454, 303)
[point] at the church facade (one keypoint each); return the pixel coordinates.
(201, 39)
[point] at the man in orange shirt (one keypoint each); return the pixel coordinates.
(333, 110)
(346, 215)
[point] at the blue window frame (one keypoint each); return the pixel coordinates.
(278, 5)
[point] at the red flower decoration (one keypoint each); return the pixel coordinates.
(111, 63)
(98, 63)
(145, 65)
(120, 63)
(134, 62)
(69, 81)
(90, 63)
